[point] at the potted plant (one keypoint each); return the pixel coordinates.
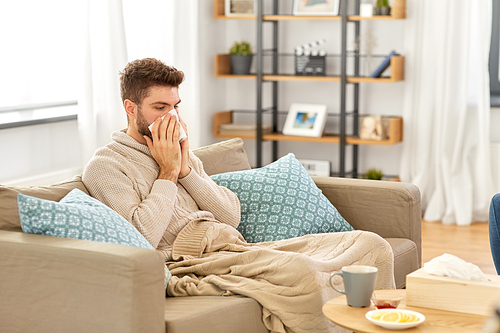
(241, 58)
(382, 7)
(374, 174)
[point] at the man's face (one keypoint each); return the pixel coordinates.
(159, 102)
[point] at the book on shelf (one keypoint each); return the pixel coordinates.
(243, 129)
(383, 66)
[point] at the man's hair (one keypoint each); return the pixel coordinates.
(139, 75)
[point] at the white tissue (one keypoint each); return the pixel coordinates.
(453, 266)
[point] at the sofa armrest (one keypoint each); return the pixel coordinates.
(51, 284)
(390, 209)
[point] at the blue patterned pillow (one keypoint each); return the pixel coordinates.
(79, 216)
(281, 201)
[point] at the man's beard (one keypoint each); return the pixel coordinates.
(142, 124)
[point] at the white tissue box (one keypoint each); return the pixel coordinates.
(452, 294)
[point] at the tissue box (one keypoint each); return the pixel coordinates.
(452, 294)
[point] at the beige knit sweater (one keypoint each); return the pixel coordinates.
(123, 175)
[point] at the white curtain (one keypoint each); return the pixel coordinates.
(119, 31)
(446, 149)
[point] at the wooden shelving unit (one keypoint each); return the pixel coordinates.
(223, 70)
(219, 14)
(395, 133)
(276, 75)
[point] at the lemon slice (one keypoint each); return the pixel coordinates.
(393, 317)
(377, 315)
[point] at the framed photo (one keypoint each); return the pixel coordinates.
(240, 7)
(305, 120)
(316, 7)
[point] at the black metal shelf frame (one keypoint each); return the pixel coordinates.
(274, 62)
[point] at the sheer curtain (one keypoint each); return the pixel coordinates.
(446, 150)
(120, 31)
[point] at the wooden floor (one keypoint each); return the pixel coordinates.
(470, 243)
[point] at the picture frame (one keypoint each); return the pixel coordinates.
(240, 7)
(305, 120)
(316, 7)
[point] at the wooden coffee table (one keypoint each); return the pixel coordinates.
(440, 321)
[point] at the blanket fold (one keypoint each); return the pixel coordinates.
(289, 278)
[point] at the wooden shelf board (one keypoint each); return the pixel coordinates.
(231, 76)
(309, 78)
(308, 18)
(370, 79)
(352, 140)
(236, 17)
(374, 18)
(299, 17)
(299, 78)
(223, 70)
(395, 133)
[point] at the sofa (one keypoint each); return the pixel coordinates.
(52, 284)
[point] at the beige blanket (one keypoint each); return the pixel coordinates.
(288, 278)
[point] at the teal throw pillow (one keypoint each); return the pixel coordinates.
(79, 216)
(281, 201)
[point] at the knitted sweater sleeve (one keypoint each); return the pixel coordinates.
(218, 200)
(110, 181)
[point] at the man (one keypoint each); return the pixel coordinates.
(148, 177)
(160, 186)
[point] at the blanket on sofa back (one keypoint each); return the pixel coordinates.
(289, 278)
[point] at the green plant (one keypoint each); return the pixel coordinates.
(242, 48)
(373, 173)
(382, 3)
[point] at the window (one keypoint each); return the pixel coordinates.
(41, 56)
(495, 56)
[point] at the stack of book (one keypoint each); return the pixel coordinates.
(243, 129)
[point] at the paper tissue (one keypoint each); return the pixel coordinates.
(453, 266)
(450, 283)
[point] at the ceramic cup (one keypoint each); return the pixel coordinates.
(359, 283)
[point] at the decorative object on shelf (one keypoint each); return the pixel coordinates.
(241, 58)
(374, 174)
(382, 7)
(316, 7)
(309, 61)
(240, 7)
(398, 8)
(366, 10)
(383, 66)
(316, 168)
(372, 128)
(243, 129)
(305, 120)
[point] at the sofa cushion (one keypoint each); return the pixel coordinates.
(9, 215)
(280, 201)
(77, 216)
(223, 156)
(214, 314)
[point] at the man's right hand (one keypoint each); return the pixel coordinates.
(165, 147)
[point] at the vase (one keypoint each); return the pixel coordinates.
(240, 64)
(385, 10)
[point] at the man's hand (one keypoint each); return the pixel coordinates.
(165, 148)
